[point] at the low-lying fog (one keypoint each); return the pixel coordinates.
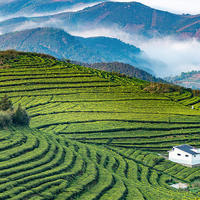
(174, 56)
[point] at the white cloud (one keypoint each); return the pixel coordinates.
(30, 24)
(175, 6)
(114, 32)
(74, 8)
(4, 18)
(79, 7)
(171, 56)
(178, 56)
(5, 2)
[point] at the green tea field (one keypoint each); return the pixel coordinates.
(93, 135)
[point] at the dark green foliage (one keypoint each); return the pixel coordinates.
(5, 119)
(9, 116)
(6, 110)
(20, 116)
(5, 104)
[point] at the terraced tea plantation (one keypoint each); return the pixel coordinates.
(93, 135)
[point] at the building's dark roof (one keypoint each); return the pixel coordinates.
(186, 148)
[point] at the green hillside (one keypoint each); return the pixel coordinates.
(93, 134)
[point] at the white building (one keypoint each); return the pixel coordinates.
(180, 185)
(185, 155)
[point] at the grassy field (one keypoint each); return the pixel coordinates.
(93, 135)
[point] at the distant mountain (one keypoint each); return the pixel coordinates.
(131, 17)
(186, 79)
(60, 44)
(123, 68)
(39, 6)
(134, 17)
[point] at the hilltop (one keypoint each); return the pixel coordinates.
(93, 134)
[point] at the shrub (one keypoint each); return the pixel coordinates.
(5, 119)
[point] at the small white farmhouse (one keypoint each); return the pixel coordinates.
(185, 155)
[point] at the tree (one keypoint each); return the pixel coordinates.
(6, 103)
(20, 116)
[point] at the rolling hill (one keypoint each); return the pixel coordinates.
(60, 44)
(131, 17)
(93, 134)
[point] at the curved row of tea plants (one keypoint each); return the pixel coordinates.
(38, 165)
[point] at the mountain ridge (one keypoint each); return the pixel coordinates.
(60, 44)
(131, 17)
